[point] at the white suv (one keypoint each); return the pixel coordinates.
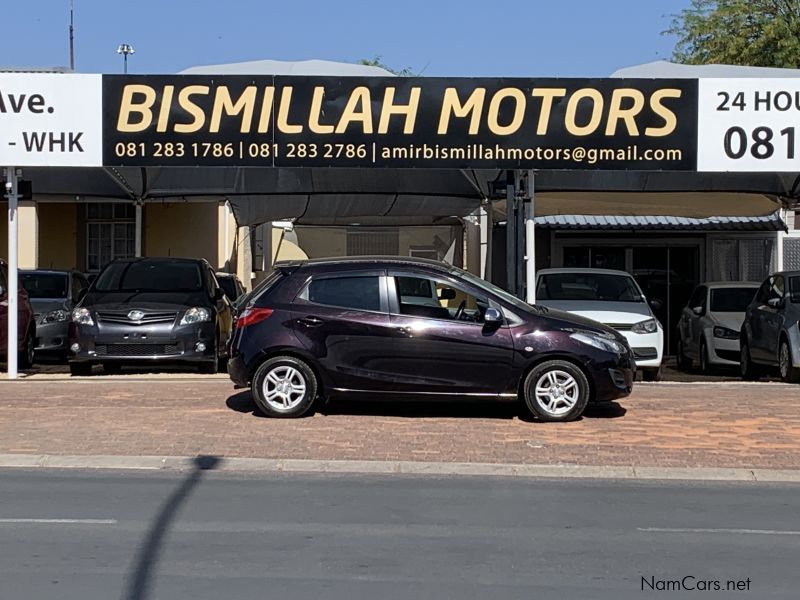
(612, 298)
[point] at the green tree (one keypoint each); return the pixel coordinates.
(762, 33)
(378, 62)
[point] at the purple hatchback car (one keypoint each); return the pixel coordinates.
(404, 327)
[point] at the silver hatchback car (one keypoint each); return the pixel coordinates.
(770, 333)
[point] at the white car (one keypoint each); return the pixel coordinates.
(710, 324)
(613, 298)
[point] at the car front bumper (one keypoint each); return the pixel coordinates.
(52, 337)
(648, 348)
(723, 351)
(137, 344)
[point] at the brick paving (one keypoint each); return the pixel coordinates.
(668, 425)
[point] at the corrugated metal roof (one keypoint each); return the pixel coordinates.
(771, 222)
(35, 70)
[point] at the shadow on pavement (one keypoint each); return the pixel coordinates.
(140, 579)
(485, 409)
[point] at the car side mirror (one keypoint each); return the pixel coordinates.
(698, 310)
(492, 316)
(655, 304)
(775, 302)
(447, 294)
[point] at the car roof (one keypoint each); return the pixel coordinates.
(158, 259)
(365, 260)
(49, 271)
(579, 270)
(731, 284)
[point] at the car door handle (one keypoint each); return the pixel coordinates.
(310, 321)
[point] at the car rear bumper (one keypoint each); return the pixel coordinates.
(237, 370)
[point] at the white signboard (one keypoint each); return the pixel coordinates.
(748, 125)
(51, 119)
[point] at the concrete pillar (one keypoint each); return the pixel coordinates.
(244, 257)
(28, 235)
(472, 243)
(226, 237)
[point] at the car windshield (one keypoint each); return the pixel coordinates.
(604, 287)
(45, 285)
(493, 289)
(150, 276)
(794, 289)
(731, 299)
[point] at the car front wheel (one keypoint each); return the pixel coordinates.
(556, 390)
(788, 373)
(748, 370)
(285, 387)
(26, 355)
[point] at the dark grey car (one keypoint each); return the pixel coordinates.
(771, 331)
(53, 295)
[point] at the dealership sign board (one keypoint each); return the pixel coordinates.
(236, 120)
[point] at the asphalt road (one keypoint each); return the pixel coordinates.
(205, 535)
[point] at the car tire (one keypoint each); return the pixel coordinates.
(651, 374)
(684, 362)
(748, 370)
(556, 391)
(284, 387)
(705, 367)
(26, 357)
(789, 374)
(80, 369)
(112, 368)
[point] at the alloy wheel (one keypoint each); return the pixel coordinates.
(284, 388)
(556, 392)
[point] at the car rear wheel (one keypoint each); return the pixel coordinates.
(284, 386)
(684, 362)
(556, 390)
(26, 355)
(788, 373)
(748, 370)
(80, 369)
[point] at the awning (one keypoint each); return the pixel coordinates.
(771, 222)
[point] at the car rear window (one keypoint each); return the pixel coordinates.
(359, 293)
(604, 287)
(731, 299)
(150, 276)
(44, 285)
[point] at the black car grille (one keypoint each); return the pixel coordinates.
(732, 355)
(621, 326)
(149, 318)
(137, 350)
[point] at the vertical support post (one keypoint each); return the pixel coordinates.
(511, 234)
(519, 211)
(138, 241)
(13, 266)
(530, 242)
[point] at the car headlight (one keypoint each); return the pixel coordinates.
(56, 316)
(646, 326)
(196, 314)
(599, 342)
(725, 333)
(82, 316)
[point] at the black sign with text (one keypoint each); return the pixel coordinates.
(188, 120)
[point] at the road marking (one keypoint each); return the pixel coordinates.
(721, 530)
(63, 521)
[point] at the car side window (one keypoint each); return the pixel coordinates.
(437, 299)
(355, 292)
(777, 288)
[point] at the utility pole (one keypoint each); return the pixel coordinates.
(125, 50)
(71, 36)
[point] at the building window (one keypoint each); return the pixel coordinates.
(741, 259)
(110, 233)
(424, 252)
(369, 242)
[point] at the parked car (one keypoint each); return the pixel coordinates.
(770, 333)
(53, 295)
(708, 330)
(612, 298)
(231, 285)
(348, 327)
(26, 324)
(147, 310)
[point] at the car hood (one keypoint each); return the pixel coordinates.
(731, 320)
(144, 300)
(45, 305)
(623, 313)
(567, 320)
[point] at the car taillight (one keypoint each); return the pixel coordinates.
(252, 315)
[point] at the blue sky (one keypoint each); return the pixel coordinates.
(438, 37)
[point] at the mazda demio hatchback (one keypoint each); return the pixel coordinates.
(400, 327)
